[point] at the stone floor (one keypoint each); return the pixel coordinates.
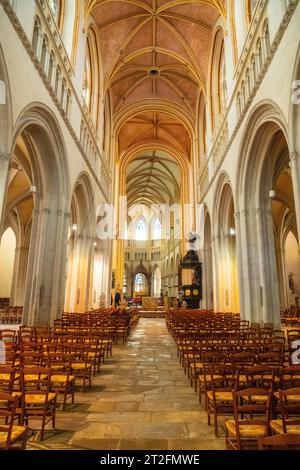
(140, 400)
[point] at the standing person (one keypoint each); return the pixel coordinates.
(117, 299)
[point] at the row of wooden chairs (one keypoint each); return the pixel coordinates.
(11, 315)
(244, 373)
(290, 316)
(43, 369)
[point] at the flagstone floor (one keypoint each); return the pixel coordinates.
(140, 400)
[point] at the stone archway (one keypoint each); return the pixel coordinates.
(45, 164)
(5, 132)
(224, 248)
(264, 157)
(207, 268)
(81, 247)
(294, 138)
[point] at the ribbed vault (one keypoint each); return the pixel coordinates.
(155, 56)
(153, 178)
(155, 48)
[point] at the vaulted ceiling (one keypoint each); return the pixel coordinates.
(19, 197)
(151, 127)
(155, 56)
(155, 48)
(153, 178)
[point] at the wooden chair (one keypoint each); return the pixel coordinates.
(279, 442)
(251, 418)
(9, 379)
(195, 365)
(9, 336)
(31, 358)
(62, 381)
(11, 435)
(271, 359)
(81, 363)
(289, 406)
(38, 400)
(209, 359)
(290, 377)
(261, 376)
(96, 351)
(219, 400)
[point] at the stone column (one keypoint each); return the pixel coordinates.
(45, 282)
(239, 259)
(216, 281)
(267, 268)
(207, 278)
(82, 281)
(30, 289)
(248, 266)
(108, 270)
(19, 276)
(280, 262)
(295, 168)
(4, 169)
(62, 260)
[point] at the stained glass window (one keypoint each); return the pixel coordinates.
(141, 230)
(140, 282)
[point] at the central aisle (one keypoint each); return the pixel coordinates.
(140, 400)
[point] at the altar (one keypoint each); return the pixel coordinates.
(150, 303)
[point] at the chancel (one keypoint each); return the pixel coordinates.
(149, 225)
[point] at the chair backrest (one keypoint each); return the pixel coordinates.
(290, 377)
(279, 442)
(223, 377)
(255, 326)
(8, 336)
(31, 358)
(246, 402)
(214, 358)
(35, 380)
(260, 376)
(251, 407)
(7, 378)
(243, 358)
(59, 361)
(271, 358)
(289, 402)
(7, 416)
